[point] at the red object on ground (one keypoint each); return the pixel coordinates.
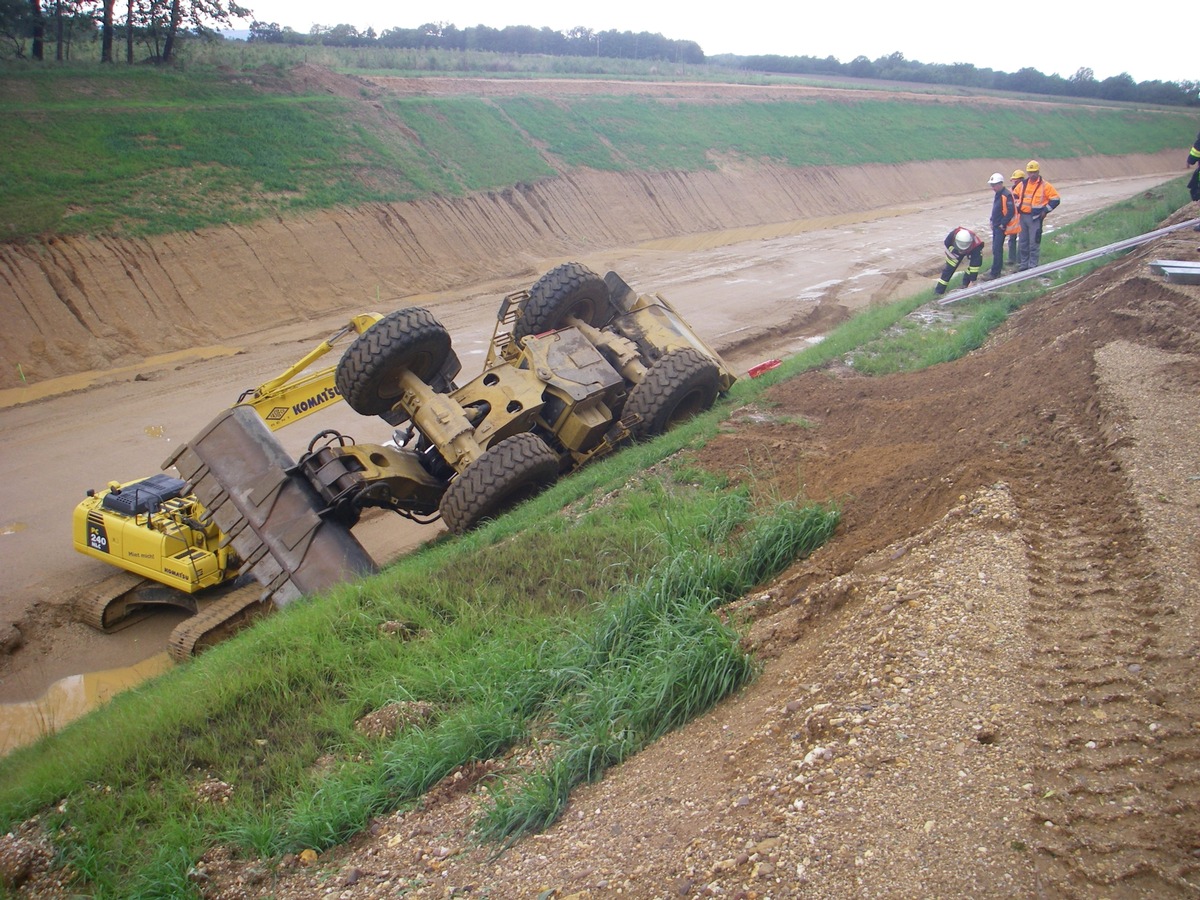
(767, 366)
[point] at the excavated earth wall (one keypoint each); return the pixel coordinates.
(77, 304)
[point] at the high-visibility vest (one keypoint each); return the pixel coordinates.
(1035, 193)
(1012, 222)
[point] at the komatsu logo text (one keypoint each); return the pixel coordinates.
(311, 403)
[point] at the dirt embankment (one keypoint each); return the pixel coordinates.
(78, 304)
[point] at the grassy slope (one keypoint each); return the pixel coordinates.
(140, 152)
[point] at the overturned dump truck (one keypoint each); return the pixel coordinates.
(578, 365)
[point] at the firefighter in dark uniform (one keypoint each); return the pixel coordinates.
(961, 243)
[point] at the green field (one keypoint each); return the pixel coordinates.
(137, 151)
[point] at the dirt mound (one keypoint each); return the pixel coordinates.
(984, 685)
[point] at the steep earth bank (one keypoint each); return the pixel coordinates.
(984, 686)
(73, 305)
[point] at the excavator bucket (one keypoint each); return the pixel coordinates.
(271, 514)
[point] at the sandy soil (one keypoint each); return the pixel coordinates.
(984, 686)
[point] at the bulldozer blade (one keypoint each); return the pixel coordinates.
(249, 484)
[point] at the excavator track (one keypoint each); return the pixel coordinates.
(123, 599)
(218, 620)
(105, 605)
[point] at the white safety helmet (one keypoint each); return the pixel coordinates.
(996, 178)
(962, 240)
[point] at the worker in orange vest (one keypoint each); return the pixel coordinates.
(961, 243)
(1004, 213)
(1035, 200)
(1014, 227)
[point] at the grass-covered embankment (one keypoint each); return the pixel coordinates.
(140, 151)
(586, 621)
(592, 630)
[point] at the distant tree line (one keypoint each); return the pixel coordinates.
(627, 45)
(895, 67)
(29, 27)
(578, 41)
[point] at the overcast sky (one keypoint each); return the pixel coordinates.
(1056, 36)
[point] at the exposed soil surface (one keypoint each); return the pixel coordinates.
(754, 293)
(984, 685)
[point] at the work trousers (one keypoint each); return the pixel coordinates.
(953, 261)
(997, 250)
(1012, 250)
(1029, 243)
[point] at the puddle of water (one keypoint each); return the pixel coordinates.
(68, 699)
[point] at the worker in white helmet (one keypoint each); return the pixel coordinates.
(1004, 215)
(961, 243)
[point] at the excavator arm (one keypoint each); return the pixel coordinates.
(295, 393)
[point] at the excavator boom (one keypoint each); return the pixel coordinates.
(294, 394)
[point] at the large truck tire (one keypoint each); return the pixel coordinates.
(368, 374)
(680, 385)
(567, 291)
(512, 471)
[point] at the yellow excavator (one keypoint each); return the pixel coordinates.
(167, 547)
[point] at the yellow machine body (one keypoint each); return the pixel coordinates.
(151, 528)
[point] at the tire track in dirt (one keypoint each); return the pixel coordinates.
(1112, 794)
(1118, 778)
